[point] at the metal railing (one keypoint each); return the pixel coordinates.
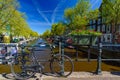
(99, 58)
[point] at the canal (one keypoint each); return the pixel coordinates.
(44, 54)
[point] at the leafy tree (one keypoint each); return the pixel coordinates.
(46, 34)
(34, 34)
(7, 8)
(69, 14)
(110, 12)
(79, 16)
(10, 16)
(57, 29)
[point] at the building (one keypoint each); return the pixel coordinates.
(109, 35)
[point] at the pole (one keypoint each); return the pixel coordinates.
(62, 57)
(99, 60)
(89, 53)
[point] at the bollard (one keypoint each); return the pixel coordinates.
(99, 60)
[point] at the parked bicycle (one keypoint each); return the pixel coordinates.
(60, 64)
(27, 66)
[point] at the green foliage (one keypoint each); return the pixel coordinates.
(10, 16)
(46, 34)
(79, 22)
(34, 34)
(69, 14)
(6, 39)
(82, 8)
(111, 11)
(7, 8)
(85, 32)
(79, 16)
(57, 29)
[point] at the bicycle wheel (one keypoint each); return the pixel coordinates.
(56, 65)
(24, 69)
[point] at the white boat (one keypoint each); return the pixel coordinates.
(42, 44)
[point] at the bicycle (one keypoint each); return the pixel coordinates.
(23, 65)
(60, 64)
(27, 65)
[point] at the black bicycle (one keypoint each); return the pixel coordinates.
(60, 64)
(26, 65)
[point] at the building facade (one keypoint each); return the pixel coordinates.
(105, 29)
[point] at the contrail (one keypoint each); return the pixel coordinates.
(37, 8)
(56, 9)
(94, 3)
(43, 15)
(48, 11)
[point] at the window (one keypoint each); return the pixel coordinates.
(98, 28)
(99, 21)
(103, 28)
(94, 21)
(91, 22)
(108, 28)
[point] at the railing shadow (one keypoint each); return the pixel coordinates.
(116, 73)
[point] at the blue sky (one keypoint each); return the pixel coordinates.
(41, 14)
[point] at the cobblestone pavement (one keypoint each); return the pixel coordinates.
(74, 76)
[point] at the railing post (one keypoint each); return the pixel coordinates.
(76, 53)
(99, 60)
(78, 38)
(62, 58)
(89, 54)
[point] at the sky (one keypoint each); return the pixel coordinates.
(41, 14)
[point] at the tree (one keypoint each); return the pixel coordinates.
(7, 8)
(10, 16)
(57, 29)
(46, 34)
(110, 11)
(79, 16)
(69, 14)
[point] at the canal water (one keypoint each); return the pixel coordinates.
(44, 55)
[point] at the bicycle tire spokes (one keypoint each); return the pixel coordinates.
(23, 70)
(61, 68)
